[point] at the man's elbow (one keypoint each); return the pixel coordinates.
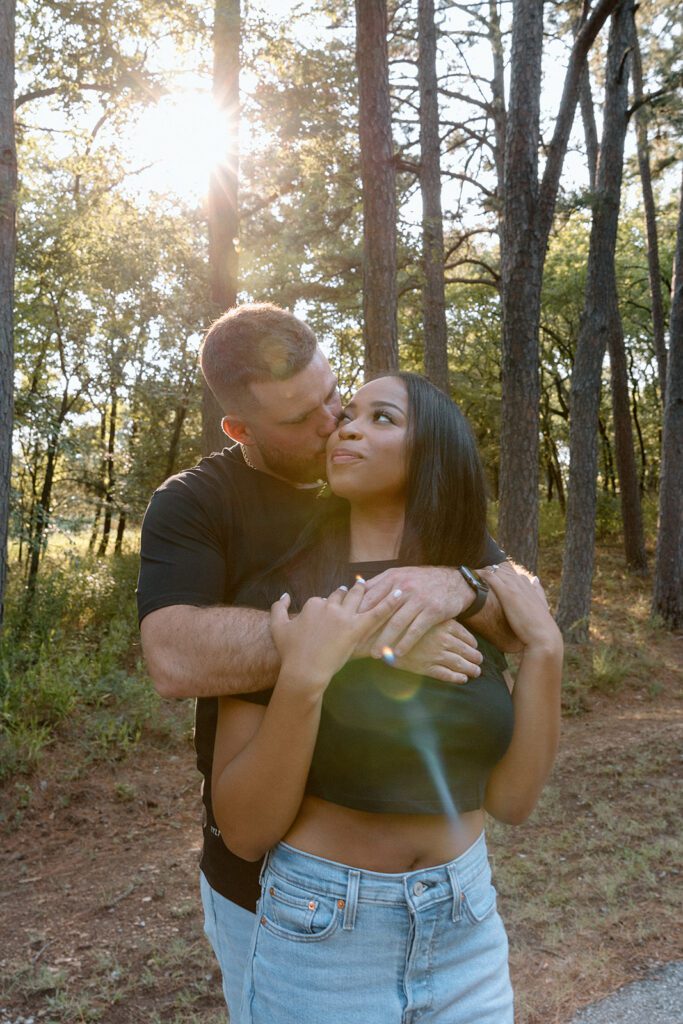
(163, 670)
(161, 662)
(167, 681)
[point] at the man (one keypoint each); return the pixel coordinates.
(210, 529)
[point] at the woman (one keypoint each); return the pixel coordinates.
(367, 784)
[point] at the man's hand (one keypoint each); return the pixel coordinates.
(446, 652)
(431, 595)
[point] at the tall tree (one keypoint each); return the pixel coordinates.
(528, 211)
(641, 115)
(223, 193)
(629, 483)
(522, 272)
(378, 174)
(667, 599)
(600, 317)
(433, 290)
(8, 185)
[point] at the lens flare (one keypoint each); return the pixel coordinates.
(426, 742)
(388, 655)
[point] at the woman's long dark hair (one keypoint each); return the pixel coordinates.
(445, 515)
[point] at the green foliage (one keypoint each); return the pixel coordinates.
(72, 668)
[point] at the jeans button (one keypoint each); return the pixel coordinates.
(419, 888)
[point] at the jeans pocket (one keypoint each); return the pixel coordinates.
(291, 912)
(479, 897)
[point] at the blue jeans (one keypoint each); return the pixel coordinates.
(229, 929)
(337, 945)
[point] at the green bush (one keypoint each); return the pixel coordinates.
(70, 665)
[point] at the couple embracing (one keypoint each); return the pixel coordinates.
(355, 718)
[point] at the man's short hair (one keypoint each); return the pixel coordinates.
(251, 344)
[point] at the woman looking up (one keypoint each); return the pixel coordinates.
(367, 784)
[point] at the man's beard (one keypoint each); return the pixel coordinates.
(291, 467)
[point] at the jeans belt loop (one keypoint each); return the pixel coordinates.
(351, 900)
(456, 890)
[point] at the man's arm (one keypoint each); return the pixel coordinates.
(433, 594)
(209, 652)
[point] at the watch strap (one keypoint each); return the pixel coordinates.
(481, 591)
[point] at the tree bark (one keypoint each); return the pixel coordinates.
(8, 186)
(378, 175)
(498, 94)
(641, 116)
(667, 601)
(521, 273)
(590, 130)
(111, 475)
(433, 289)
(600, 314)
(101, 484)
(223, 202)
(609, 479)
(120, 530)
(629, 484)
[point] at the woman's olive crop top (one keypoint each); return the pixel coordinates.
(393, 741)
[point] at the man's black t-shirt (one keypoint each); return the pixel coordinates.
(205, 533)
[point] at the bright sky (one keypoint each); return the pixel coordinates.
(180, 136)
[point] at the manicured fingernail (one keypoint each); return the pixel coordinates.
(343, 587)
(283, 596)
(397, 593)
(359, 579)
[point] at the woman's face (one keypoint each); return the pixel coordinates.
(367, 453)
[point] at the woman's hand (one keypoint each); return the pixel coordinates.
(524, 604)
(314, 644)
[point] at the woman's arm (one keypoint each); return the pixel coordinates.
(516, 782)
(262, 755)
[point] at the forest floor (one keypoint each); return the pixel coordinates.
(101, 919)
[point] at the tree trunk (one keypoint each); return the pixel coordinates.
(102, 484)
(522, 270)
(120, 530)
(111, 476)
(8, 185)
(667, 601)
(590, 130)
(633, 381)
(609, 480)
(498, 94)
(600, 313)
(42, 516)
(527, 219)
(378, 174)
(629, 486)
(433, 289)
(174, 444)
(223, 208)
(654, 273)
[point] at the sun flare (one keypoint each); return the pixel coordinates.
(182, 138)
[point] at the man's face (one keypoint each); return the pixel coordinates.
(292, 421)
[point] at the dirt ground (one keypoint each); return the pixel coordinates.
(101, 916)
